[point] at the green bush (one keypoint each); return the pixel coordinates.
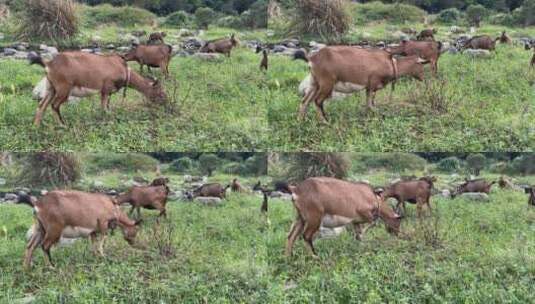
(208, 163)
(390, 161)
(183, 165)
(449, 16)
(449, 164)
(476, 162)
(475, 13)
(204, 16)
(256, 164)
(179, 19)
(121, 16)
(121, 161)
(524, 164)
(525, 15)
(393, 13)
(230, 22)
(235, 168)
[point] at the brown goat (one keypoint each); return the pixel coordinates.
(158, 55)
(156, 37)
(223, 46)
(531, 192)
(415, 191)
(211, 190)
(349, 69)
(330, 202)
(74, 214)
(80, 74)
(476, 185)
(264, 62)
(235, 186)
(428, 50)
(427, 34)
(533, 58)
(483, 42)
(505, 39)
(148, 197)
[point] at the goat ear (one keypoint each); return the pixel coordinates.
(138, 222)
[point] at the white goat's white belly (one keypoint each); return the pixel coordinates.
(82, 92)
(347, 87)
(334, 221)
(71, 232)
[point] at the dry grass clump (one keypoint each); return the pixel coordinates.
(328, 19)
(49, 19)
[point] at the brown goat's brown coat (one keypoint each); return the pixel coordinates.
(427, 34)
(223, 46)
(330, 202)
(81, 74)
(156, 37)
(415, 191)
(348, 69)
(158, 55)
(477, 185)
(148, 197)
(428, 50)
(75, 214)
(211, 190)
(483, 42)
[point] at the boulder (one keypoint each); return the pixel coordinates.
(445, 193)
(478, 53)
(476, 196)
(40, 89)
(279, 49)
(211, 201)
(184, 32)
(306, 85)
(10, 197)
(62, 241)
(123, 49)
(9, 51)
(208, 56)
(281, 195)
(329, 233)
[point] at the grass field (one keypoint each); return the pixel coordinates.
(215, 106)
(474, 105)
(469, 252)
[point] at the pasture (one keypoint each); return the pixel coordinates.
(466, 252)
(216, 105)
(473, 105)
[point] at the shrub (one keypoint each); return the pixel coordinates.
(183, 164)
(524, 164)
(525, 15)
(50, 169)
(235, 168)
(305, 165)
(390, 161)
(449, 164)
(474, 14)
(208, 163)
(179, 19)
(394, 13)
(476, 162)
(121, 161)
(448, 16)
(257, 15)
(230, 22)
(328, 19)
(257, 164)
(204, 16)
(55, 20)
(121, 16)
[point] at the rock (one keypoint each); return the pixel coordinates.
(212, 201)
(112, 192)
(452, 50)
(445, 193)
(478, 53)
(476, 196)
(281, 195)
(98, 184)
(87, 50)
(44, 192)
(279, 49)
(188, 178)
(193, 43)
(22, 189)
(21, 47)
(110, 46)
(20, 55)
(328, 233)
(184, 32)
(40, 89)
(208, 56)
(316, 46)
(123, 49)
(306, 85)
(62, 241)
(10, 197)
(9, 51)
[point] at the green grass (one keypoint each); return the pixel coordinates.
(218, 106)
(466, 253)
(474, 105)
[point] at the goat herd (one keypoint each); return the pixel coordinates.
(318, 201)
(344, 69)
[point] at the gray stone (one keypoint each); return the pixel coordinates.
(41, 88)
(63, 242)
(452, 50)
(478, 53)
(476, 196)
(184, 32)
(212, 201)
(279, 49)
(110, 46)
(9, 51)
(10, 197)
(329, 233)
(445, 193)
(281, 195)
(44, 192)
(208, 56)
(123, 49)
(20, 55)
(306, 85)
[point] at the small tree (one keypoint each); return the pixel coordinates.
(49, 19)
(208, 163)
(475, 163)
(474, 14)
(204, 16)
(305, 165)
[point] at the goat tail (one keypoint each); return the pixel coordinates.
(35, 58)
(300, 54)
(26, 199)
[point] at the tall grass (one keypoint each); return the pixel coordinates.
(53, 20)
